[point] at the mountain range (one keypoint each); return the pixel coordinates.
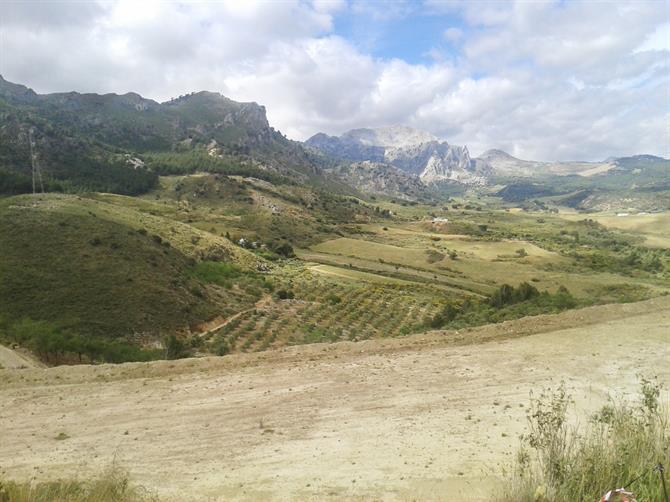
(416, 153)
(121, 143)
(99, 142)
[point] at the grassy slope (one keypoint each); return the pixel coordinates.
(258, 210)
(480, 263)
(83, 264)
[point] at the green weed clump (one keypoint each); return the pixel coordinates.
(218, 273)
(112, 486)
(623, 442)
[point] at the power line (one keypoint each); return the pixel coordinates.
(37, 173)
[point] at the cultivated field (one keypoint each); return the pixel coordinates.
(427, 417)
(653, 227)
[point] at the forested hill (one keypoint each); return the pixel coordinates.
(120, 143)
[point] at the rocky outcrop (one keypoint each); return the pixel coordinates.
(382, 179)
(417, 153)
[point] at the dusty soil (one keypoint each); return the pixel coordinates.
(15, 359)
(429, 417)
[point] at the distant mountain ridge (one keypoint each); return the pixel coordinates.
(416, 152)
(504, 164)
(403, 162)
(121, 143)
(131, 121)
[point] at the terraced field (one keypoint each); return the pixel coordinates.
(387, 280)
(330, 307)
(478, 266)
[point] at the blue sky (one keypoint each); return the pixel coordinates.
(411, 36)
(542, 79)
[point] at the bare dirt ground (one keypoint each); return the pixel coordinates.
(13, 359)
(427, 417)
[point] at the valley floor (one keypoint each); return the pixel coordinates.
(424, 417)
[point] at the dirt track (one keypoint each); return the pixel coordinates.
(418, 418)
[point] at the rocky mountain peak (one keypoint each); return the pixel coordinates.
(16, 92)
(494, 153)
(391, 136)
(415, 152)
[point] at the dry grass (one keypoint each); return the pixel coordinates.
(621, 447)
(112, 485)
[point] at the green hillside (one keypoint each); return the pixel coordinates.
(106, 270)
(120, 143)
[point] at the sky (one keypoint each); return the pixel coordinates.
(542, 80)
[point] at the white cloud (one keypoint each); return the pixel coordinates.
(453, 34)
(545, 80)
(658, 40)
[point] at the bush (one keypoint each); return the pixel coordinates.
(503, 304)
(333, 299)
(175, 348)
(433, 256)
(285, 294)
(448, 313)
(53, 344)
(111, 486)
(284, 249)
(562, 464)
(507, 295)
(222, 349)
(213, 272)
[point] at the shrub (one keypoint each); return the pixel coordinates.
(433, 256)
(333, 299)
(53, 344)
(285, 294)
(562, 464)
(284, 249)
(217, 272)
(504, 295)
(174, 348)
(448, 313)
(111, 486)
(505, 303)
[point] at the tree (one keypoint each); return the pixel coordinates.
(174, 348)
(284, 249)
(502, 296)
(525, 292)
